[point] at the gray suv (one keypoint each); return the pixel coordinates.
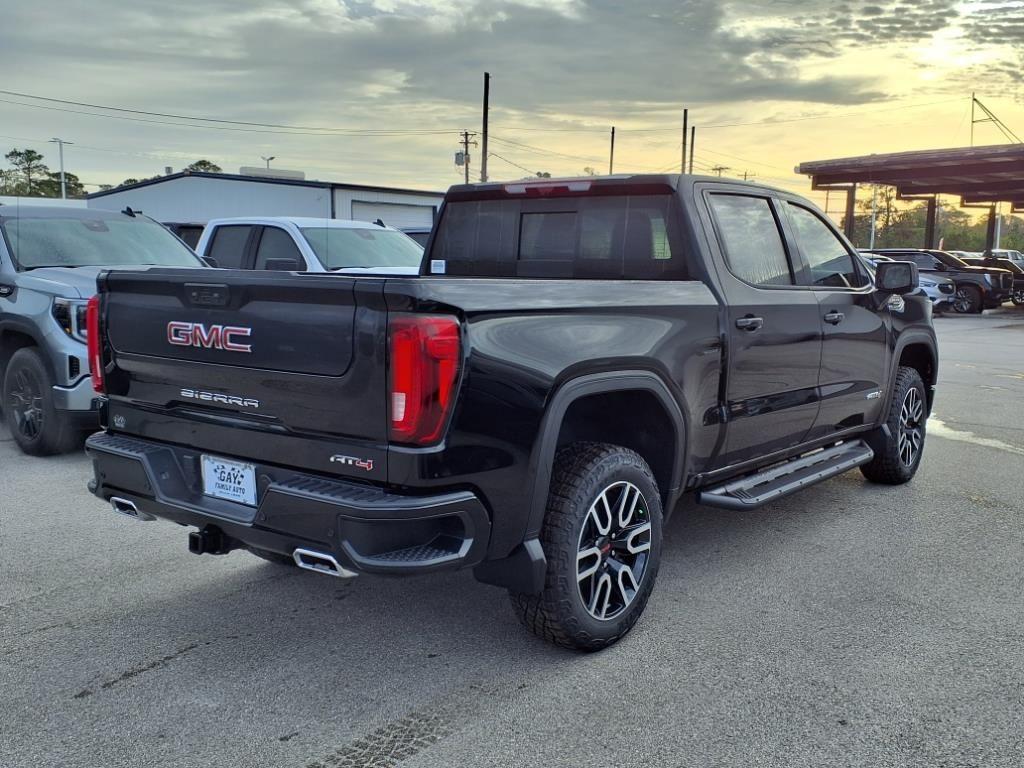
(49, 260)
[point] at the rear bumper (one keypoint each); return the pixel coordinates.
(366, 529)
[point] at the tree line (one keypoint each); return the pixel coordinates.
(957, 229)
(28, 175)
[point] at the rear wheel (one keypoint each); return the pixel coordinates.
(36, 425)
(898, 454)
(602, 542)
(968, 300)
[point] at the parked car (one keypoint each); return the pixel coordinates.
(1009, 254)
(977, 288)
(49, 259)
(309, 245)
(189, 231)
(420, 234)
(579, 354)
(941, 291)
(1009, 266)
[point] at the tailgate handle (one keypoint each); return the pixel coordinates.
(206, 294)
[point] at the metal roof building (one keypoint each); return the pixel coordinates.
(980, 176)
(199, 197)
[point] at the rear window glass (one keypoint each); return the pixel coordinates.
(620, 237)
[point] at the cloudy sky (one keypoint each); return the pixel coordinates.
(381, 88)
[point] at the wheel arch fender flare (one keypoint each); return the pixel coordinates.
(22, 328)
(543, 455)
(907, 339)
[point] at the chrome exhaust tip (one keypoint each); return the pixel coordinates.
(126, 507)
(321, 563)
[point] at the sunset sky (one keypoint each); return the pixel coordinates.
(769, 84)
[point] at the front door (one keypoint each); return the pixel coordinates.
(855, 354)
(774, 330)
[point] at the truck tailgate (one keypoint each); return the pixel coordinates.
(263, 366)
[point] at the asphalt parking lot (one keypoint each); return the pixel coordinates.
(849, 625)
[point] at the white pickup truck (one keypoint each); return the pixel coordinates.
(294, 244)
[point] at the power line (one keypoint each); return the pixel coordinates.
(823, 116)
(542, 150)
(353, 132)
(510, 162)
(215, 119)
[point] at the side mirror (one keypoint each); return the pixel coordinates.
(282, 265)
(896, 277)
(211, 262)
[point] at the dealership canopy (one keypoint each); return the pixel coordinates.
(980, 176)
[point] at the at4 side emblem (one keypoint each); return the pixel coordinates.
(352, 461)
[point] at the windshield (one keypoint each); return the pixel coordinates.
(340, 248)
(99, 242)
(948, 259)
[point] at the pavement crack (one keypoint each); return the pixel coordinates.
(142, 669)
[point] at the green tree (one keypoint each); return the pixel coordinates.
(203, 166)
(29, 167)
(10, 184)
(50, 186)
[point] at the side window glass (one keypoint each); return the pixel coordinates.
(751, 239)
(275, 243)
(228, 246)
(830, 262)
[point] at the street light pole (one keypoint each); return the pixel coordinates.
(267, 160)
(60, 149)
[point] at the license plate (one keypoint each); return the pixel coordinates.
(231, 480)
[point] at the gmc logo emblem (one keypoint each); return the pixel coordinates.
(224, 337)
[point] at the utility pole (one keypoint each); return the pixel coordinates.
(693, 142)
(682, 162)
(467, 139)
(990, 117)
(720, 169)
(747, 175)
(874, 214)
(973, 102)
(611, 156)
(60, 149)
(487, 108)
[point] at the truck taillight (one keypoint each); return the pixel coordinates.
(424, 353)
(93, 344)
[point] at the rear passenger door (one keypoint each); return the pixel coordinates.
(229, 246)
(774, 330)
(855, 353)
(277, 243)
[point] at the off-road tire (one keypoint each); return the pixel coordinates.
(972, 304)
(273, 557)
(888, 467)
(581, 473)
(54, 432)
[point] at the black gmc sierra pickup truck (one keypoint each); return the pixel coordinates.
(574, 356)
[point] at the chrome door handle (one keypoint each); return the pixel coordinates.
(749, 323)
(834, 317)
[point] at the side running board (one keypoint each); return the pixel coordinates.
(779, 480)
